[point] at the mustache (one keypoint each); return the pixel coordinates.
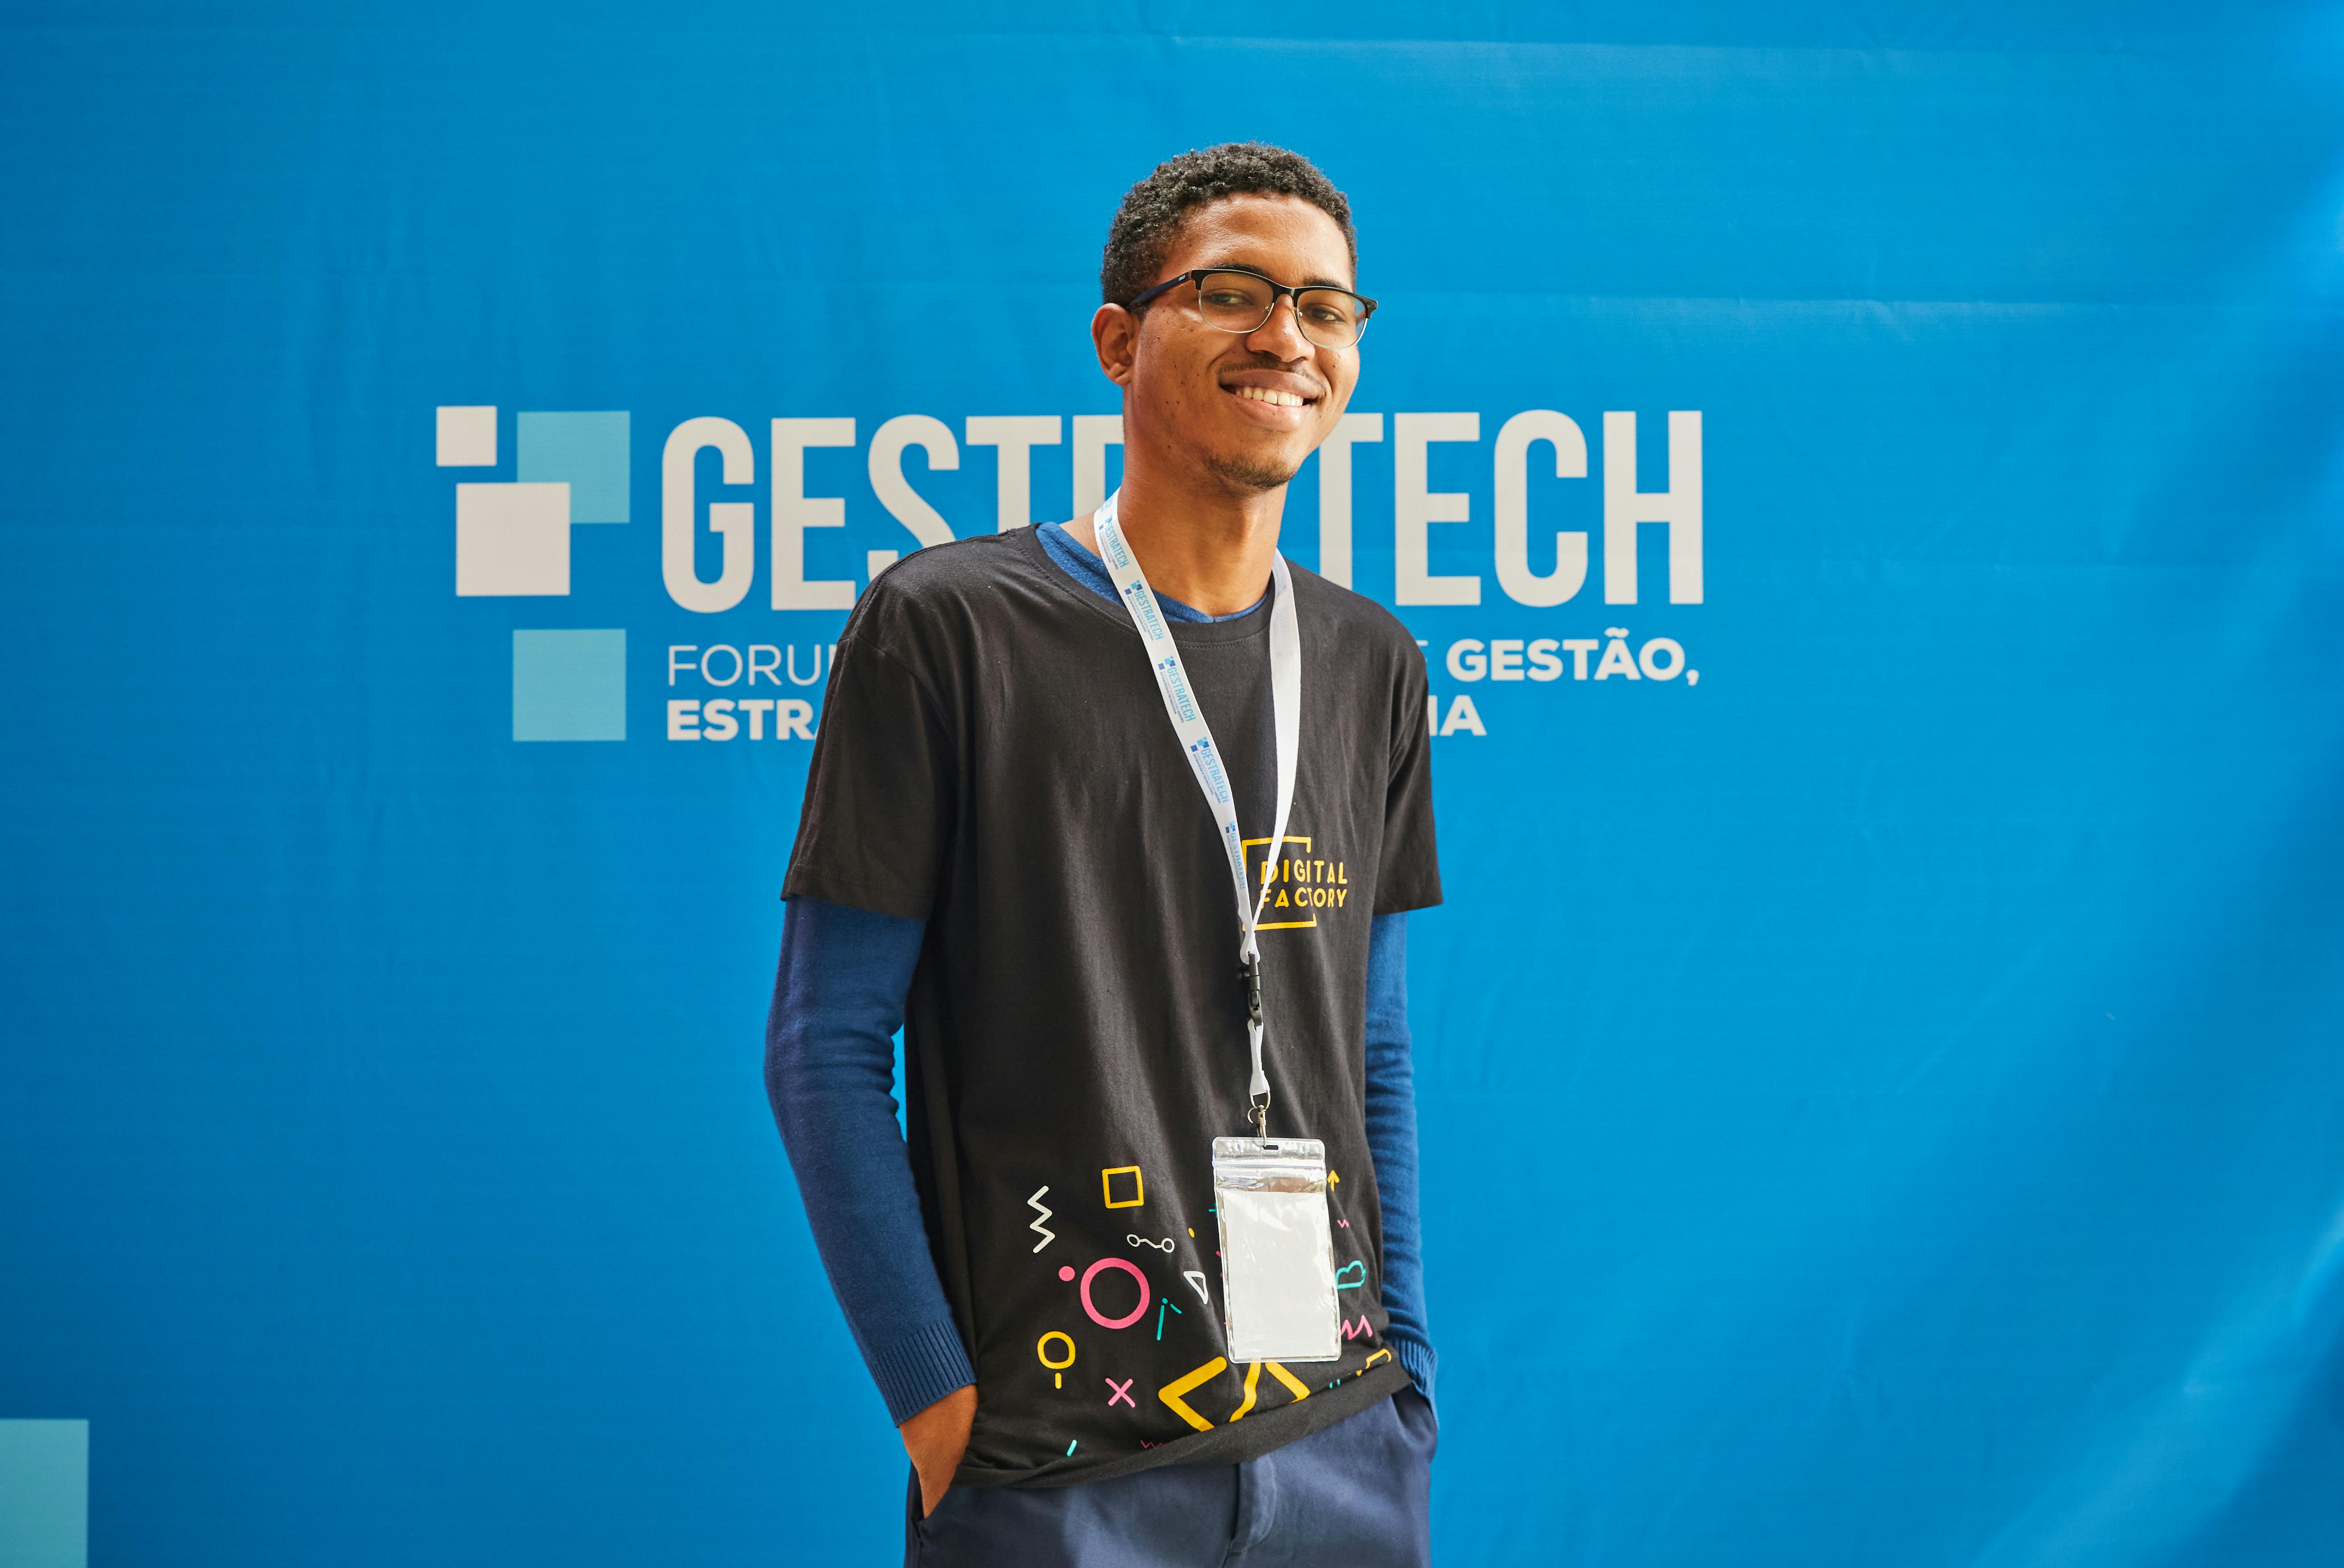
(1259, 359)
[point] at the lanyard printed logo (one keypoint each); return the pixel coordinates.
(1208, 768)
(1169, 676)
(1143, 611)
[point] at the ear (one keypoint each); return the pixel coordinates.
(1115, 333)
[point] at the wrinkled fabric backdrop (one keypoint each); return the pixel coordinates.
(1881, 1059)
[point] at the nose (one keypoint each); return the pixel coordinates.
(1282, 334)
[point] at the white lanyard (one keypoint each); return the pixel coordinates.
(1204, 758)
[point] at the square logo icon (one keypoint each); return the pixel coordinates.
(512, 539)
(468, 435)
(570, 685)
(586, 451)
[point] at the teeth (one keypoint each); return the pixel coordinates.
(1264, 395)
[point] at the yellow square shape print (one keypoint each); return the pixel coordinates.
(1139, 1187)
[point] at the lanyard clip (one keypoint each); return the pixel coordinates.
(1253, 986)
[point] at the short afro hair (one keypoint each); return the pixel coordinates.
(1148, 222)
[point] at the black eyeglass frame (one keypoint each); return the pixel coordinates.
(1197, 275)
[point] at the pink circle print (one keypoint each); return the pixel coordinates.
(1091, 1273)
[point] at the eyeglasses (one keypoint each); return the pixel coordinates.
(1235, 300)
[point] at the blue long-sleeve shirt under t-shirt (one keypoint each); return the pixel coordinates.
(838, 1002)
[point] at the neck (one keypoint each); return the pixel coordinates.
(1198, 543)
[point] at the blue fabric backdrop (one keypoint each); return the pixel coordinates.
(1914, 1047)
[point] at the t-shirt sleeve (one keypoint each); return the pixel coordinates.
(1409, 877)
(879, 802)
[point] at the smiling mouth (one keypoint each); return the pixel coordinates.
(1277, 399)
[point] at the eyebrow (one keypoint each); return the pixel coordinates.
(1249, 266)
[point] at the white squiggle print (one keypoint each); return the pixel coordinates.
(1035, 1203)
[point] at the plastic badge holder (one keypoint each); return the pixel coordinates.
(1278, 1253)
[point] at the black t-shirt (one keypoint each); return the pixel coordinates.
(994, 759)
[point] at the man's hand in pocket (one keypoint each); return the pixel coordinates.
(935, 1439)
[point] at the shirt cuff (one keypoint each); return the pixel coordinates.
(1417, 1359)
(920, 1369)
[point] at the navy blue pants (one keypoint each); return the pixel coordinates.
(1357, 1494)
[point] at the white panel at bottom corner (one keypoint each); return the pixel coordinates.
(512, 539)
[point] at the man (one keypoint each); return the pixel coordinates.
(1006, 850)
